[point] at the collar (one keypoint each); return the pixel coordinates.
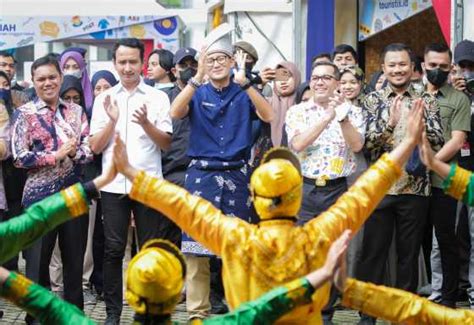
(388, 92)
(445, 89)
(141, 87)
(40, 104)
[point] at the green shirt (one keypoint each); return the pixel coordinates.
(50, 309)
(455, 111)
(20, 232)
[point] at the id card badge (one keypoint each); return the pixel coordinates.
(465, 150)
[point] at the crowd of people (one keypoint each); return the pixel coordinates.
(249, 179)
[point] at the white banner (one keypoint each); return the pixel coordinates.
(22, 31)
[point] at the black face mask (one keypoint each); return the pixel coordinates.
(248, 66)
(186, 74)
(437, 77)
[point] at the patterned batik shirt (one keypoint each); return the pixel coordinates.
(380, 138)
(328, 156)
(38, 132)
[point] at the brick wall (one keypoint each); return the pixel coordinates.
(416, 32)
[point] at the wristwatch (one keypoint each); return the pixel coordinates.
(194, 83)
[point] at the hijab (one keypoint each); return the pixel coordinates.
(71, 82)
(85, 82)
(280, 104)
(104, 74)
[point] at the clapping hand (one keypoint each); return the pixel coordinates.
(111, 109)
(140, 116)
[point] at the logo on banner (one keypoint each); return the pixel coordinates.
(166, 26)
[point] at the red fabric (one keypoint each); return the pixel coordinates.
(443, 13)
(149, 47)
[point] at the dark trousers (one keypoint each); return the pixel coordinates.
(316, 200)
(406, 215)
(442, 213)
(97, 276)
(72, 237)
(150, 224)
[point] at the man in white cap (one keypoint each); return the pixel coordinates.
(220, 115)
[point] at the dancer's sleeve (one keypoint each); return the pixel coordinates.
(460, 184)
(41, 303)
(20, 232)
(400, 306)
(354, 207)
(269, 307)
(193, 214)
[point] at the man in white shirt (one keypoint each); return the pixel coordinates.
(140, 114)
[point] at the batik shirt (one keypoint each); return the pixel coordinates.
(38, 133)
(328, 156)
(381, 138)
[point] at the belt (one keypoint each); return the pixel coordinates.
(322, 182)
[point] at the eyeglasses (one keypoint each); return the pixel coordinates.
(220, 60)
(4, 65)
(324, 78)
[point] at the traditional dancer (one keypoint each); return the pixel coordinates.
(259, 257)
(155, 278)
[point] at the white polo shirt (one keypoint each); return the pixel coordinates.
(143, 153)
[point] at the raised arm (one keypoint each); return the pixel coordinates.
(355, 206)
(404, 307)
(281, 300)
(180, 105)
(39, 302)
(194, 215)
(20, 232)
(458, 182)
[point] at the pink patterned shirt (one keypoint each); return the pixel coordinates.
(38, 132)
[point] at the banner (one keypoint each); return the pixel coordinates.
(164, 33)
(377, 15)
(23, 31)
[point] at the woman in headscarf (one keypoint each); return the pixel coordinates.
(71, 91)
(303, 93)
(287, 79)
(73, 63)
(102, 80)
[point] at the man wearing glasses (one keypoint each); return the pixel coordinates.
(325, 133)
(220, 117)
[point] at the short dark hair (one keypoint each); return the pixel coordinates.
(48, 59)
(417, 60)
(337, 73)
(4, 75)
(7, 54)
(165, 58)
(320, 56)
(129, 42)
(438, 48)
(396, 47)
(344, 48)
